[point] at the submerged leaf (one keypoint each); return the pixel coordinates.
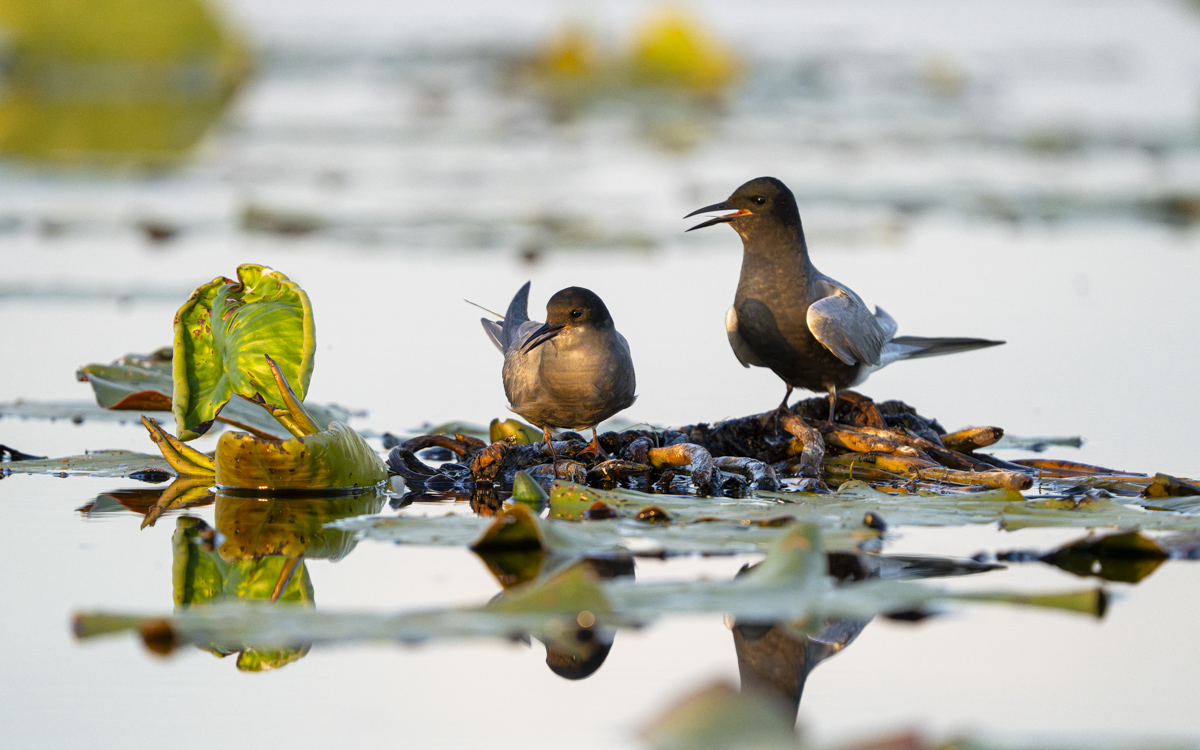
(221, 335)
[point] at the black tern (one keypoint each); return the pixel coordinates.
(573, 372)
(813, 332)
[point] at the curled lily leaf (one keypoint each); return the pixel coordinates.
(221, 333)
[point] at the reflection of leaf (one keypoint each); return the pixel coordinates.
(181, 493)
(255, 527)
(1127, 557)
(789, 585)
(221, 335)
(202, 578)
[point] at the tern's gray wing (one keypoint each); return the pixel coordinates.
(844, 325)
(494, 330)
(515, 318)
(515, 325)
(743, 351)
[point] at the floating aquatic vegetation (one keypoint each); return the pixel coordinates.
(137, 382)
(790, 584)
(225, 335)
(114, 82)
(254, 338)
(888, 445)
(103, 463)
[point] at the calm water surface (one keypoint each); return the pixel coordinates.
(1018, 204)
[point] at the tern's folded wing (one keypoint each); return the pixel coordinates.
(743, 351)
(844, 325)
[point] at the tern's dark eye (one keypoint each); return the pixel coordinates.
(759, 200)
(576, 313)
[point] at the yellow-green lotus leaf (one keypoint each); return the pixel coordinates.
(223, 332)
(337, 457)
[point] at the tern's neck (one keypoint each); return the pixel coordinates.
(776, 254)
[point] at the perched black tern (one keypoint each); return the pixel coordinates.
(811, 331)
(574, 371)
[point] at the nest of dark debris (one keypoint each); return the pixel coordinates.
(887, 444)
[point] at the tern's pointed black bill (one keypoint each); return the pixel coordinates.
(541, 336)
(722, 206)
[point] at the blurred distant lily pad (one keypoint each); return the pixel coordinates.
(114, 81)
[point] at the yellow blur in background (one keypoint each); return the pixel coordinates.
(114, 82)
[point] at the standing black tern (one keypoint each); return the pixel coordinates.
(574, 371)
(811, 331)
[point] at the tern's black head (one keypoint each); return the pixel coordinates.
(576, 306)
(761, 204)
(573, 307)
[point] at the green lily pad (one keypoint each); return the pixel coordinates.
(223, 332)
(144, 383)
(114, 463)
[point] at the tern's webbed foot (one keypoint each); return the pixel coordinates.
(593, 449)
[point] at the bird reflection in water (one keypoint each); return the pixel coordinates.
(580, 654)
(582, 650)
(774, 660)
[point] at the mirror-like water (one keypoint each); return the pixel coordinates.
(1027, 171)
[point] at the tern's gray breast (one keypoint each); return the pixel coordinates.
(577, 379)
